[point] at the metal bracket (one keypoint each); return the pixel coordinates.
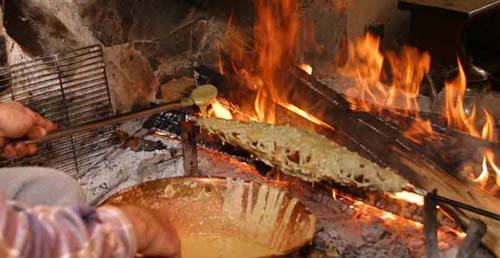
(475, 230)
(430, 226)
(188, 137)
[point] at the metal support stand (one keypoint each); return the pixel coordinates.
(430, 226)
(475, 230)
(188, 137)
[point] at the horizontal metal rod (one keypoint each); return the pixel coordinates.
(61, 57)
(464, 206)
(111, 121)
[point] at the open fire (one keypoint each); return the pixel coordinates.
(278, 78)
(365, 66)
(278, 42)
(385, 83)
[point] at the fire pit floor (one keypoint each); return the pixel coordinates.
(346, 228)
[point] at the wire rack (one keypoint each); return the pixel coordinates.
(69, 89)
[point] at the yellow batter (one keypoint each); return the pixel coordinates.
(304, 154)
(220, 246)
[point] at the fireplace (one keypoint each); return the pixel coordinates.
(276, 62)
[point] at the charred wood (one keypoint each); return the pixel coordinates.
(475, 233)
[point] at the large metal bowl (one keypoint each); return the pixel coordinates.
(200, 205)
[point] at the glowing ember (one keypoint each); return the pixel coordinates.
(307, 68)
(359, 203)
(409, 197)
(306, 115)
(218, 110)
(418, 225)
(388, 216)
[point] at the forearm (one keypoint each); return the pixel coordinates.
(56, 231)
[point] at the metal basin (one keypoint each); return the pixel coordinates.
(198, 205)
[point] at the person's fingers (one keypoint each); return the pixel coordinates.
(37, 132)
(154, 238)
(32, 149)
(51, 126)
(21, 149)
(18, 150)
(15, 122)
(9, 152)
(167, 243)
(42, 122)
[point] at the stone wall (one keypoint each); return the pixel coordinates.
(170, 35)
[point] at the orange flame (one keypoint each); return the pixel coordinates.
(419, 129)
(483, 178)
(455, 114)
(276, 46)
(490, 156)
(218, 110)
(456, 117)
(454, 105)
(488, 131)
(220, 62)
(488, 162)
(365, 65)
(275, 35)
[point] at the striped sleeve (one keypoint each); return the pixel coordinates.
(43, 231)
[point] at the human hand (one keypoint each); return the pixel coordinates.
(17, 121)
(155, 235)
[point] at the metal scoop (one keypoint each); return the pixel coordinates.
(201, 96)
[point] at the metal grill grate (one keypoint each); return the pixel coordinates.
(69, 89)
